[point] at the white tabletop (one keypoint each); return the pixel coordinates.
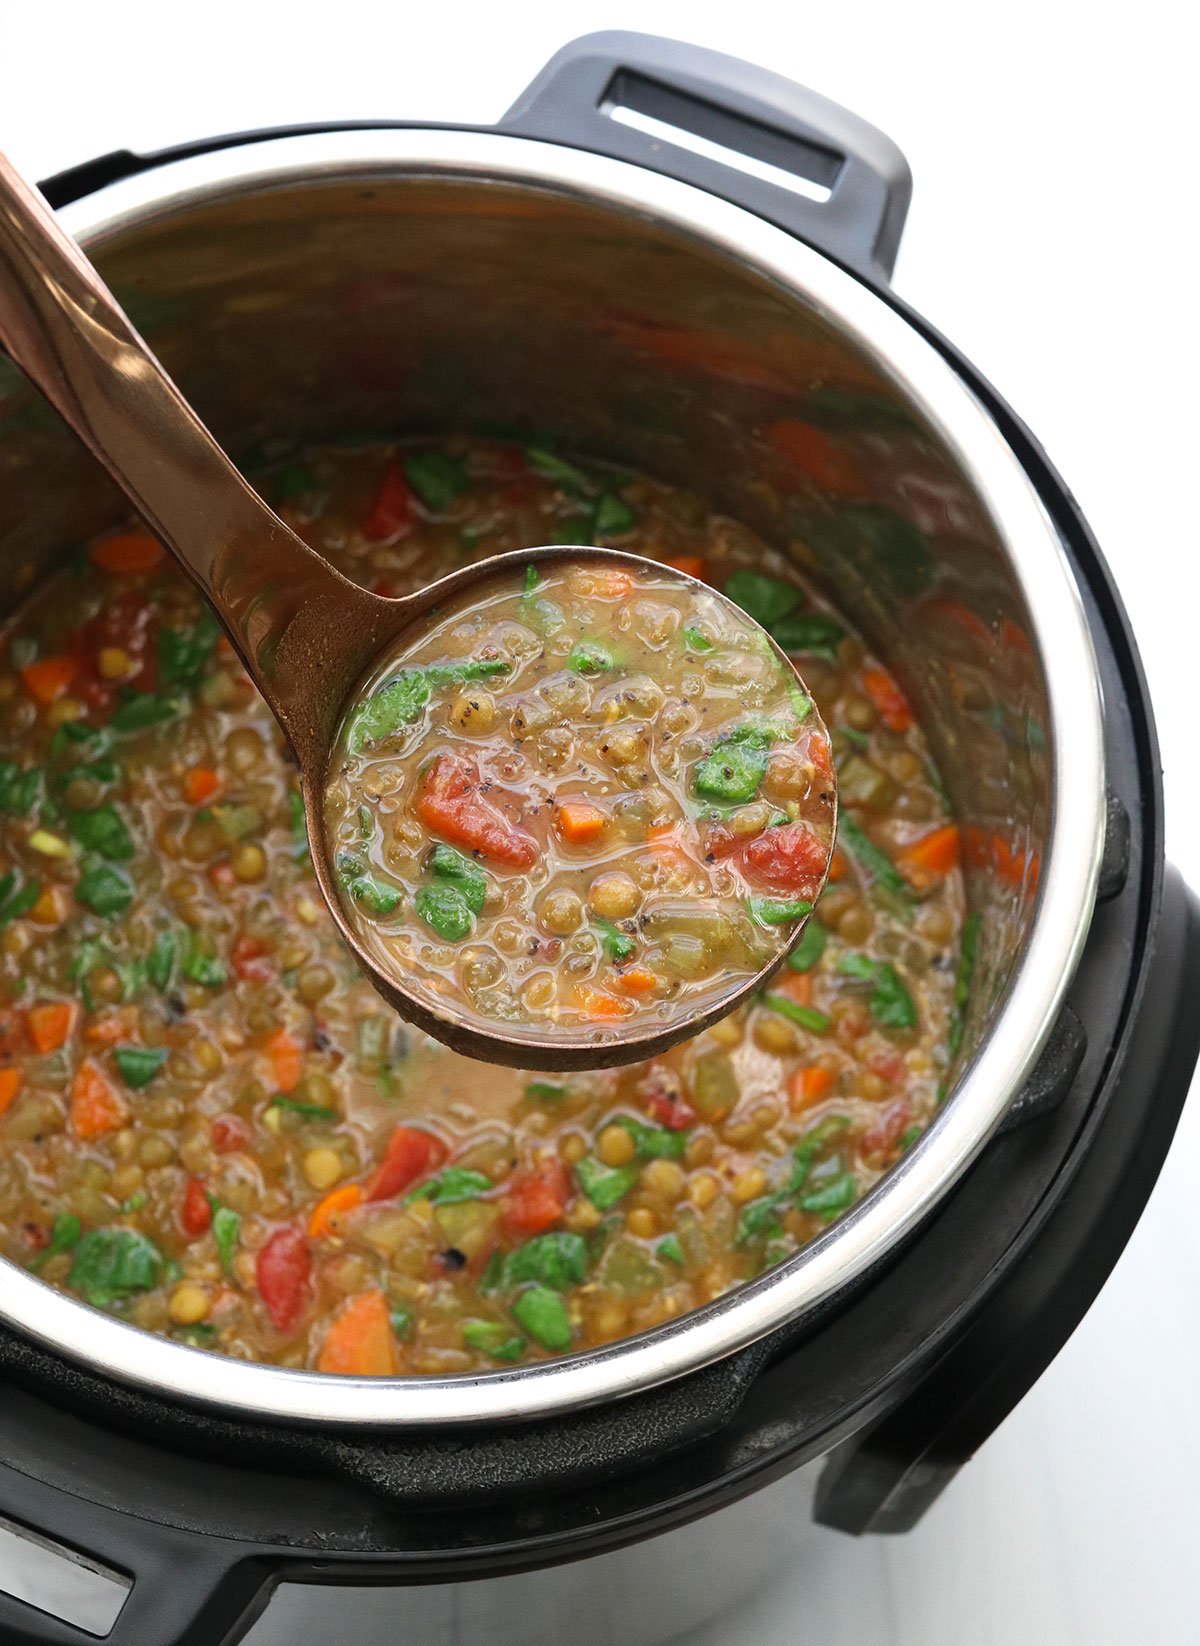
(1054, 151)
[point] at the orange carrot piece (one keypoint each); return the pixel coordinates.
(48, 910)
(200, 785)
(638, 980)
(10, 1085)
(49, 1024)
(287, 1056)
(48, 678)
(890, 702)
(579, 822)
(810, 451)
(96, 1105)
(600, 1007)
(932, 857)
(797, 985)
(691, 565)
(360, 1341)
(808, 1086)
(111, 1030)
(342, 1199)
(128, 552)
(838, 866)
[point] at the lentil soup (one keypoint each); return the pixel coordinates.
(211, 1127)
(585, 799)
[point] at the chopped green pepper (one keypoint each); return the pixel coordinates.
(543, 1314)
(139, 1064)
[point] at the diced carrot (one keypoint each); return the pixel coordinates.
(797, 985)
(200, 784)
(813, 454)
(49, 1024)
(890, 702)
(97, 1106)
(128, 552)
(342, 1199)
(48, 910)
(579, 822)
(601, 1007)
(48, 678)
(638, 980)
(932, 857)
(112, 1029)
(808, 1086)
(10, 1085)
(360, 1341)
(691, 565)
(838, 867)
(287, 1056)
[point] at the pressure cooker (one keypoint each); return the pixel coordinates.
(304, 283)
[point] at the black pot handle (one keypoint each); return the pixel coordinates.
(186, 1590)
(761, 116)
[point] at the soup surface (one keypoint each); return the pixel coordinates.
(585, 799)
(210, 1125)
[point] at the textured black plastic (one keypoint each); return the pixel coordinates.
(151, 1487)
(742, 107)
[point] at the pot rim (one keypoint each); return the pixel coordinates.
(1070, 865)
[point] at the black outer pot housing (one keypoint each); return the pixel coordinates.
(898, 1383)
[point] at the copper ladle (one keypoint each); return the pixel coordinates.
(306, 634)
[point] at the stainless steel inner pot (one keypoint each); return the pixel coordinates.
(313, 287)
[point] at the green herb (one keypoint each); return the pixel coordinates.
(103, 830)
(201, 967)
(113, 1263)
(402, 1318)
(587, 657)
(765, 599)
(758, 1216)
(605, 1185)
(890, 1002)
(104, 890)
(556, 1260)
(885, 879)
(296, 818)
(654, 1142)
(612, 517)
(493, 1337)
(17, 896)
(545, 1091)
(139, 1064)
(735, 766)
(375, 895)
(832, 1197)
(306, 1111)
(543, 1314)
(19, 788)
(65, 1232)
(810, 947)
(908, 1138)
(183, 654)
(143, 709)
(161, 964)
(967, 955)
(402, 699)
(78, 732)
(860, 740)
(292, 481)
(531, 580)
(197, 1334)
(695, 641)
(226, 1228)
(670, 1250)
(446, 911)
(811, 634)
(810, 1145)
(616, 945)
(777, 911)
(449, 1187)
(135, 1202)
(462, 873)
(556, 468)
(806, 1016)
(575, 528)
(436, 478)
(493, 1273)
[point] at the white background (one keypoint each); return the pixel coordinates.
(1051, 236)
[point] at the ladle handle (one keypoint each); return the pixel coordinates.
(304, 631)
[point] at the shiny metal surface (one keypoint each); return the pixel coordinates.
(289, 286)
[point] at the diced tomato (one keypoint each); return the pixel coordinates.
(196, 1213)
(49, 678)
(666, 1103)
(788, 859)
(229, 1133)
(450, 804)
(97, 1106)
(251, 961)
(283, 1274)
(536, 1200)
(360, 1341)
(10, 1085)
(881, 1137)
(287, 1059)
(810, 451)
(691, 565)
(411, 1153)
(49, 1024)
(392, 511)
(891, 705)
(127, 552)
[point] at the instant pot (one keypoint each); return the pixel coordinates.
(657, 253)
